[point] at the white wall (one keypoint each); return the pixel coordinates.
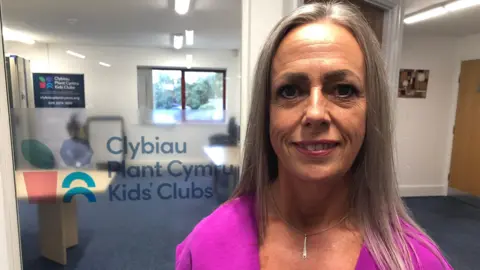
(423, 126)
(114, 90)
(468, 48)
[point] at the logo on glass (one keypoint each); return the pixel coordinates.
(67, 182)
(41, 185)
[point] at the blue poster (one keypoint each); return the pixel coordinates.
(59, 90)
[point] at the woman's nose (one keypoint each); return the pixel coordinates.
(316, 111)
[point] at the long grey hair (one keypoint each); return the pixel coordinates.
(374, 197)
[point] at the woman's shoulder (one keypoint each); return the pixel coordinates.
(231, 215)
(231, 227)
(425, 253)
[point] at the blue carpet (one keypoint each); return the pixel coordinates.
(143, 234)
(454, 225)
(123, 234)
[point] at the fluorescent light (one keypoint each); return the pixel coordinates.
(439, 11)
(461, 4)
(182, 6)
(178, 41)
(9, 34)
(431, 13)
(104, 64)
(189, 37)
(76, 54)
(189, 59)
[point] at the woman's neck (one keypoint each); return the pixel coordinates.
(307, 205)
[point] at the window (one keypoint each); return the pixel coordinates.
(188, 95)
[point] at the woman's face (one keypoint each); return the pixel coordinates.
(318, 106)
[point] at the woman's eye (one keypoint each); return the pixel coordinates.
(288, 92)
(345, 90)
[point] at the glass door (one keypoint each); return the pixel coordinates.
(125, 124)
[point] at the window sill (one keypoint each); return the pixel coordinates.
(185, 123)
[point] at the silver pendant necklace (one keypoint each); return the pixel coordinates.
(305, 235)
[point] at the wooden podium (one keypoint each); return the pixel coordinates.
(58, 228)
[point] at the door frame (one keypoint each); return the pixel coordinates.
(392, 39)
(10, 251)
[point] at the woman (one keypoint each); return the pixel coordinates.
(317, 190)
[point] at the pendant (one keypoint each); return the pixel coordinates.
(304, 255)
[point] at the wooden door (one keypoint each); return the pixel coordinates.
(373, 14)
(465, 163)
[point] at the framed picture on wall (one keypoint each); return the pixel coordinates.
(413, 83)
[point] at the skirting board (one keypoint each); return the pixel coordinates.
(414, 191)
(464, 197)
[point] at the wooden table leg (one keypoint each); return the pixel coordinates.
(58, 229)
(70, 223)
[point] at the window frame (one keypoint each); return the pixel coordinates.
(184, 96)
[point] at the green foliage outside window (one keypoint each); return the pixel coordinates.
(198, 94)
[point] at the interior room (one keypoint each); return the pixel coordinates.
(441, 124)
(149, 101)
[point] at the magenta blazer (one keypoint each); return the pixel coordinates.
(227, 240)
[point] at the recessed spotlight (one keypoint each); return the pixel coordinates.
(72, 20)
(178, 41)
(76, 54)
(189, 37)
(104, 64)
(182, 6)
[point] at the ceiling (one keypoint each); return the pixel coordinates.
(459, 23)
(144, 23)
(416, 5)
(151, 23)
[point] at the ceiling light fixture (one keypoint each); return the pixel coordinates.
(104, 64)
(441, 10)
(425, 15)
(461, 4)
(182, 6)
(189, 37)
(76, 54)
(12, 35)
(178, 41)
(189, 59)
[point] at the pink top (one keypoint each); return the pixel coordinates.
(227, 239)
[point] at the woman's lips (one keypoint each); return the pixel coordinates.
(316, 148)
